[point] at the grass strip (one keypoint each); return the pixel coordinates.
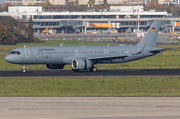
(90, 86)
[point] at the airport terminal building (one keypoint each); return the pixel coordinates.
(117, 19)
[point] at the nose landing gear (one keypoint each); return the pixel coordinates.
(23, 70)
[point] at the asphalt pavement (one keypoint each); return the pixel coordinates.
(89, 107)
(121, 72)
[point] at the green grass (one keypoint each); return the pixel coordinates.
(167, 59)
(90, 86)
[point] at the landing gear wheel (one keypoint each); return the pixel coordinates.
(93, 69)
(23, 70)
(76, 70)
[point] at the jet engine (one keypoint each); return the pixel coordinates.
(81, 64)
(55, 66)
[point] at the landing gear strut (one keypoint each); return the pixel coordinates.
(23, 70)
(93, 69)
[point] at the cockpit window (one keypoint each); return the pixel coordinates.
(15, 52)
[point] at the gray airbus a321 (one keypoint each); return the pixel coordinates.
(85, 57)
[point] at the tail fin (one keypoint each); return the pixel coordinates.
(150, 38)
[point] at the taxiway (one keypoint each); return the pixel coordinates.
(89, 107)
(120, 72)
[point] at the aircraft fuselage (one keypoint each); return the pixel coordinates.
(65, 54)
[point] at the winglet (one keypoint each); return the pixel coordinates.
(61, 44)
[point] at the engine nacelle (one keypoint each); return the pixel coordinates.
(81, 64)
(55, 66)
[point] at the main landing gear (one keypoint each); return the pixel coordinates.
(24, 67)
(76, 70)
(93, 69)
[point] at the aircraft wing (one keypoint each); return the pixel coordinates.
(109, 57)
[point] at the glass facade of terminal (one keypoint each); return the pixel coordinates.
(123, 25)
(151, 16)
(46, 23)
(73, 16)
(91, 16)
(131, 23)
(59, 24)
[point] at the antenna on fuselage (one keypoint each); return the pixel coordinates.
(61, 44)
(24, 45)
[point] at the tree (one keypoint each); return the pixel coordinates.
(76, 2)
(153, 2)
(4, 8)
(91, 2)
(105, 2)
(16, 32)
(9, 41)
(3, 33)
(30, 31)
(48, 3)
(17, 35)
(8, 22)
(14, 28)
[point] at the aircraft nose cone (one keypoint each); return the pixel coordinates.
(8, 58)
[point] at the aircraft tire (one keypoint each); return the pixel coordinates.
(93, 69)
(76, 70)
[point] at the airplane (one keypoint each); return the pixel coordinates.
(85, 57)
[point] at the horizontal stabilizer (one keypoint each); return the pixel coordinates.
(159, 50)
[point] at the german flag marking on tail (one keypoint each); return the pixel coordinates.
(153, 29)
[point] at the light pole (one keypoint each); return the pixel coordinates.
(37, 10)
(133, 11)
(69, 11)
(138, 16)
(18, 12)
(101, 11)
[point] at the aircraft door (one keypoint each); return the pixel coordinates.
(76, 52)
(106, 51)
(27, 53)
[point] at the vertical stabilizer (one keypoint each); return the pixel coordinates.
(151, 36)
